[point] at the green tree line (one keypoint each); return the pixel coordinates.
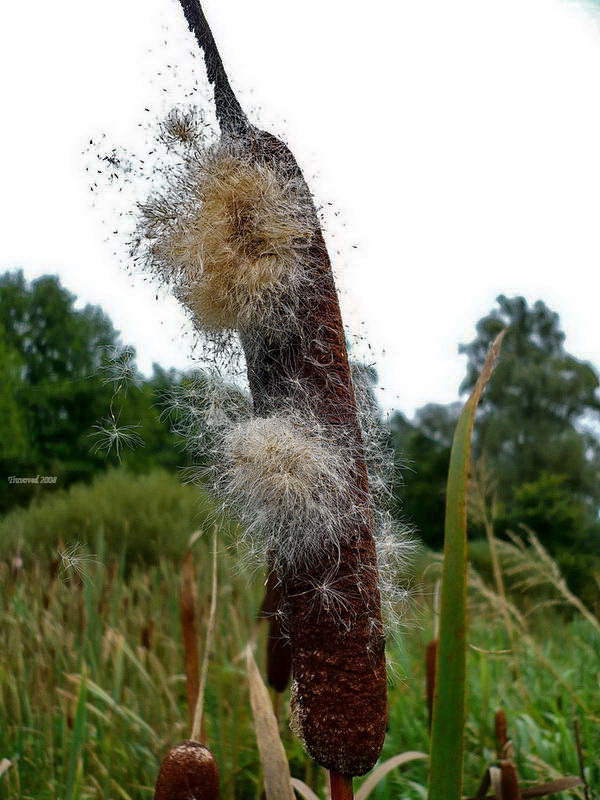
(536, 444)
(61, 391)
(68, 385)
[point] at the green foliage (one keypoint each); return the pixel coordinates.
(56, 365)
(548, 507)
(534, 432)
(448, 721)
(13, 434)
(423, 447)
(536, 414)
(141, 517)
(122, 631)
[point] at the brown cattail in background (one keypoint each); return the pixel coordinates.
(501, 732)
(509, 779)
(188, 772)
(147, 635)
(189, 632)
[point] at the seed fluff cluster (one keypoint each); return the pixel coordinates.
(230, 234)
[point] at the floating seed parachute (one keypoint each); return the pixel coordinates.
(235, 232)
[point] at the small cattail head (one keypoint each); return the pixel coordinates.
(188, 772)
(279, 651)
(279, 655)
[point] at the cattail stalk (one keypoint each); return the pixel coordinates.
(340, 787)
(339, 697)
(189, 770)
(189, 631)
(197, 725)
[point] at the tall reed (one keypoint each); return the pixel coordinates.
(447, 731)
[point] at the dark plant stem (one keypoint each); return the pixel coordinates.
(229, 112)
(341, 786)
(501, 732)
(509, 781)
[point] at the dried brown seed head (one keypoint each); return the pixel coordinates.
(188, 772)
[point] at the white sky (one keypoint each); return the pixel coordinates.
(458, 142)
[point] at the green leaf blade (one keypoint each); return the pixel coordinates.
(447, 732)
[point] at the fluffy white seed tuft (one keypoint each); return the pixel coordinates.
(289, 482)
(231, 234)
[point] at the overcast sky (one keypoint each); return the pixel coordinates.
(458, 143)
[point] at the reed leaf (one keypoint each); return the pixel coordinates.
(303, 790)
(447, 731)
(278, 785)
(382, 770)
(77, 742)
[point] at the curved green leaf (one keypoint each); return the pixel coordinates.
(445, 776)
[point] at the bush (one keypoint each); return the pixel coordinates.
(140, 516)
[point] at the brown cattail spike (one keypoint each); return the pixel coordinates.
(189, 632)
(188, 772)
(309, 483)
(339, 690)
(501, 733)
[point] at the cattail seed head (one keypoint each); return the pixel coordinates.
(188, 772)
(236, 233)
(290, 484)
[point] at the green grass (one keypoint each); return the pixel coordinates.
(87, 709)
(92, 691)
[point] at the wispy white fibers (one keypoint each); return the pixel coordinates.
(229, 232)
(290, 482)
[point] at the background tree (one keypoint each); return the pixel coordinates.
(55, 379)
(423, 451)
(534, 432)
(13, 433)
(536, 421)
